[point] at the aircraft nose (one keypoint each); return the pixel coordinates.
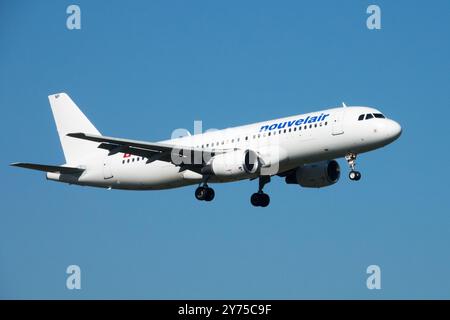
(394, 130)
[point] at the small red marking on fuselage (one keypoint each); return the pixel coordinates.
(127, 155)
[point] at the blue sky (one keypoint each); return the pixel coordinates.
(141, 69)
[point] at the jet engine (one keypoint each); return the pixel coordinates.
(315, 175)
(233, 163)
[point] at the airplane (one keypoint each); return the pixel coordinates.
(301, 149)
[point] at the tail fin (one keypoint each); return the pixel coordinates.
(69, 119)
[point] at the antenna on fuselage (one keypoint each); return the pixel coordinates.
(344, 105)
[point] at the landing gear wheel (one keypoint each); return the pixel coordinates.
(260, 199)
(265, 200)
(200, 193)
(354, 175)
(254, 199)
(204, 193)
(209, 196)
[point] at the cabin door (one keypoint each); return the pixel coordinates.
(337, 123)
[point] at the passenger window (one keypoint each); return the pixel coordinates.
(361, 117)
(269, 134)
(315, 125)
(369, 116)
(295, 129)
(379, 115)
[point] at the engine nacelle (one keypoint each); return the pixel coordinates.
(315, 175)
(234, 163)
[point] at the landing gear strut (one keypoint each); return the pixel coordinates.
(203, 192)
(261, 199)
(353, 174)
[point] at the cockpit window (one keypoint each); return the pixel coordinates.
(369, 116)
(361, 117)
(379, 115)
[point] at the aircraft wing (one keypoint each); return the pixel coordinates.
(152, 150)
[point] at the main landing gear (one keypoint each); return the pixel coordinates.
(203, 192)
(261, 199)
(258, 199)
(353, 174)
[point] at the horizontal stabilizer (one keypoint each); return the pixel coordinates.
(47, 168)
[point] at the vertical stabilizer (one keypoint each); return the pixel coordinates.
(69, 119)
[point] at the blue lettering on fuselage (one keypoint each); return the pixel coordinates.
(290, 123)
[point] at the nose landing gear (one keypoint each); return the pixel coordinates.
(351, 160)
(261, 199)
(354, 175)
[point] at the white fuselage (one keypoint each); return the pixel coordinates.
(285, 143)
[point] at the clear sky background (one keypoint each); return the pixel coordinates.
(141, 69)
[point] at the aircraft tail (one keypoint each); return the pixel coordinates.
(69, 119)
